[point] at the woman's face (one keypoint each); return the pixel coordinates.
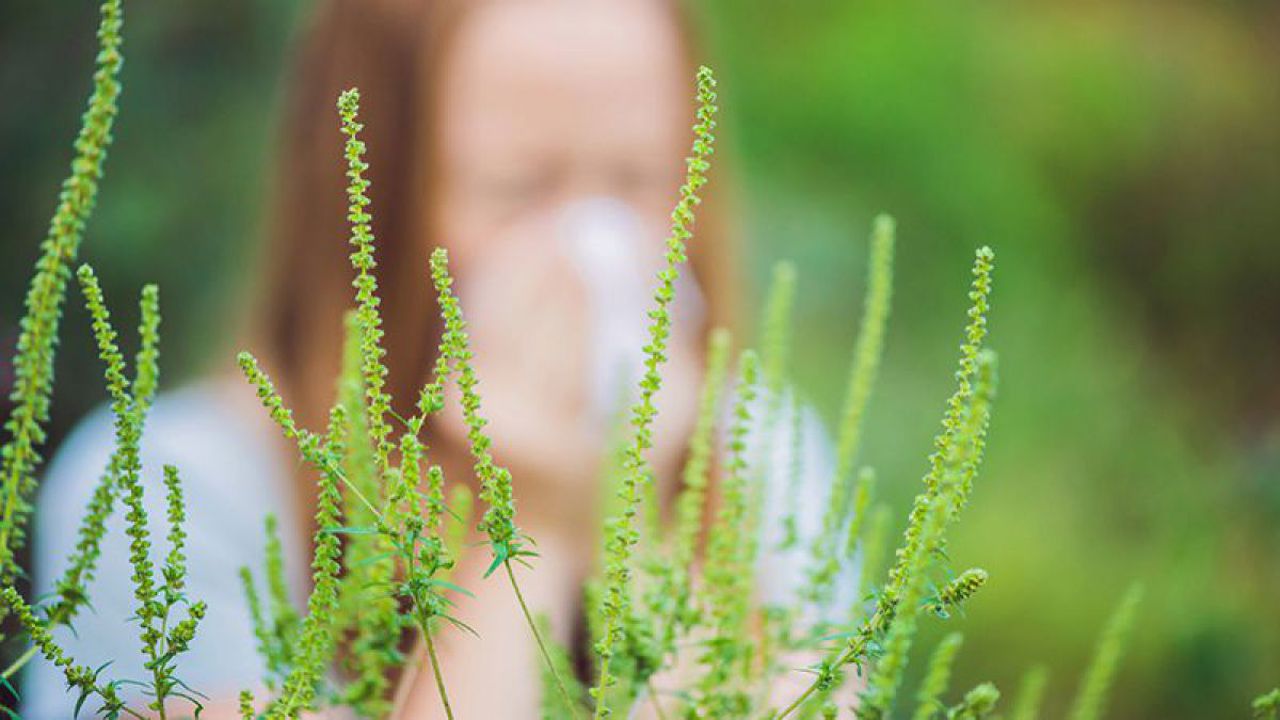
(560, 131)
(542, 102)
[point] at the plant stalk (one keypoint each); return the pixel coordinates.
(542, 646)
(435, 670)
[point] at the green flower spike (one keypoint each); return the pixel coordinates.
(33, 363)
(1030, 694)
(978, 703)
(867, 352)
(1092, 696)
(959, 590)
(621, 532)
(937, 677)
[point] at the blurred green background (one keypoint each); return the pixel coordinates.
(1123, 158)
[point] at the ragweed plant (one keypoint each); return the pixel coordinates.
(158, 591)
(392, 490)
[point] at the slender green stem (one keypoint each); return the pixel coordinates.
(435, 670)
(797, 702)
(853, 651)
(20, 662)
(542, 646)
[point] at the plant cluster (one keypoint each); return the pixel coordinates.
(388, 532)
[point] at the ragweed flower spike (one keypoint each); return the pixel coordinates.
(978, 703)
(693, 497)
(368, 316)
(1092, 696)
(498, 522)
(869, 346)
(867, 352)
(276, 627)
(922, 540)
(959, 590)
(80, 678)
(727, 575)
(315, 637)
(1030, 694)
(33, 363)
(967, 374)
(937, 677)
(775, 335)
(367, 613)
(155, 600)
(130, 484)
(1267, 706)
(621, 533)
(147, 362)
(83, 562)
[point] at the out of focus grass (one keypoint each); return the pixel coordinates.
(1123, 158)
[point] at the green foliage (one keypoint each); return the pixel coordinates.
(1267, 706)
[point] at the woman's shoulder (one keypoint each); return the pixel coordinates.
(209, 424)
(230, 462)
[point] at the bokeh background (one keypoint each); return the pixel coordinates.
(1122, 157)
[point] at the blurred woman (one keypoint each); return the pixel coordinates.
(541, 143)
